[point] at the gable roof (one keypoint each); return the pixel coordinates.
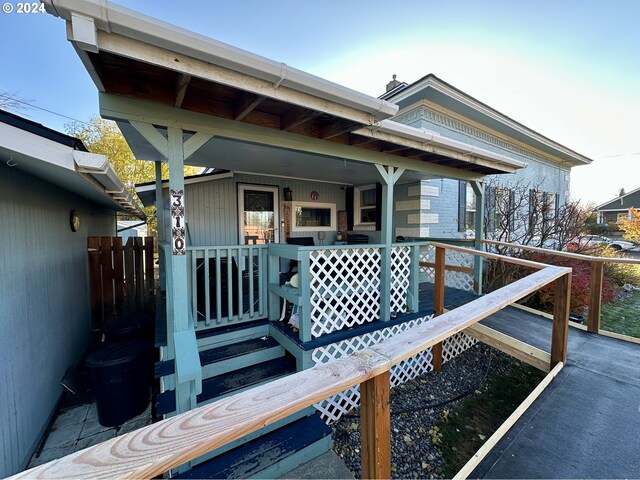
(430, 87)
(62, 160)
(623, 202)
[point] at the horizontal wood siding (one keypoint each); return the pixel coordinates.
(212, 207)
(44, 304)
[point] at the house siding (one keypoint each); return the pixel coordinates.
(212, 207)
(623, 203)
(44, 304)
(541, 173)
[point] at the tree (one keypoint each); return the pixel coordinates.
(631, 226)
(104, 137)
(12, 103)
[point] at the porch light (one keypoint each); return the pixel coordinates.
(288, 194)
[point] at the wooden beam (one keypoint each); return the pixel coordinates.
(438, 302)
(451, 268)
(181, 88)
(375, 427)
(595, 296)
(296, 116)
(247, 103)
(465, 472)
(117, 107)
(337, 127)
(517, 261)
(512, 346)
(560, 328)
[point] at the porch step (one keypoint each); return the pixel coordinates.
(225, 335)
(271, 455)
(232, 382)
(217, 361)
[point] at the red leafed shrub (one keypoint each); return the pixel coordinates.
(580, 286)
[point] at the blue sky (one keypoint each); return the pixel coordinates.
(569, 70)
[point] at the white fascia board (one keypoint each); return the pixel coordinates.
(110, 17)
(187, 181)
(430, 138)
(470, 102)
(36, 147)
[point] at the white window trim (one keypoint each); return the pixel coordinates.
(331, 228)
(357, 213)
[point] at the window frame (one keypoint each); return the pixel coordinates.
(333, 217)
(357, 207)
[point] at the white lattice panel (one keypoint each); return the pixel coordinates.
(459, 280)
(400, 271)
(345, 288)
(455, 345)
(334, 407)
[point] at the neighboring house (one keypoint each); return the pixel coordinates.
(433, 104)
(54, 195)
(613, 210)
(292, 160)
(131, 228)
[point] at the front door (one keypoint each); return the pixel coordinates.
(258, 209)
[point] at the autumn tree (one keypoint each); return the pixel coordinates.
(104, 137)
(631, 226)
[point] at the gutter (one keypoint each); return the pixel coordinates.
(431, 140)
(113, 18)
(98, 167)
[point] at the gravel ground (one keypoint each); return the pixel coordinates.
(415, 411)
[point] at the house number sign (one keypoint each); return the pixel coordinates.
(177, 222)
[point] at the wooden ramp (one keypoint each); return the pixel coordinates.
(586, 424)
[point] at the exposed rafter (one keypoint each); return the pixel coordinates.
(296, 116)
(181, 88)
(337, 128)
(247, 103)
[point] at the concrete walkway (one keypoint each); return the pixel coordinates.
(586, 424)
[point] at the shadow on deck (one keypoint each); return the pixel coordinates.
(586, 424)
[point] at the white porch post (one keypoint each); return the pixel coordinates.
(160, 224)
(390, 176)
(478, 189)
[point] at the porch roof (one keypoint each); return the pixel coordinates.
(138, 57)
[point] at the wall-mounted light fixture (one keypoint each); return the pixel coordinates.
(288, 194)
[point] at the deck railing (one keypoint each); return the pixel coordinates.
(341, 286)
(155, 449)
(596, 264)
(228, 284)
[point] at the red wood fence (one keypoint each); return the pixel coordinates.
(121, 277)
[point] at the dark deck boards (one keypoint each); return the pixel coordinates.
(586, 424)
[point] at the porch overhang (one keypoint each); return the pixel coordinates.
(246, 101)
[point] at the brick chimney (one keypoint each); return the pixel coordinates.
(392, 84)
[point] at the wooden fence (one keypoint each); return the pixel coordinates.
(157, 448)
(121, 277)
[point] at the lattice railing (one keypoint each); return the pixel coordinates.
(400, 273)
(345, 288)
(459, 280)
(334, 407)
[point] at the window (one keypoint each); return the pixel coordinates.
(470, 208)
(365, 206)
(313, 217)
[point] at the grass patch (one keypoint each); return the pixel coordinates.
(622, 316)
(464, 430)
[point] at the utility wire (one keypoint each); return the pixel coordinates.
(13, 99)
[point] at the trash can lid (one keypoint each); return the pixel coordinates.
(117, 353)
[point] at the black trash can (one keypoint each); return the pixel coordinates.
(127, 327)
(120, 380)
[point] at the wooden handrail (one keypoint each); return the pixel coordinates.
(480, 253)
(558, 253)
(597, 263)
(159, 447)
